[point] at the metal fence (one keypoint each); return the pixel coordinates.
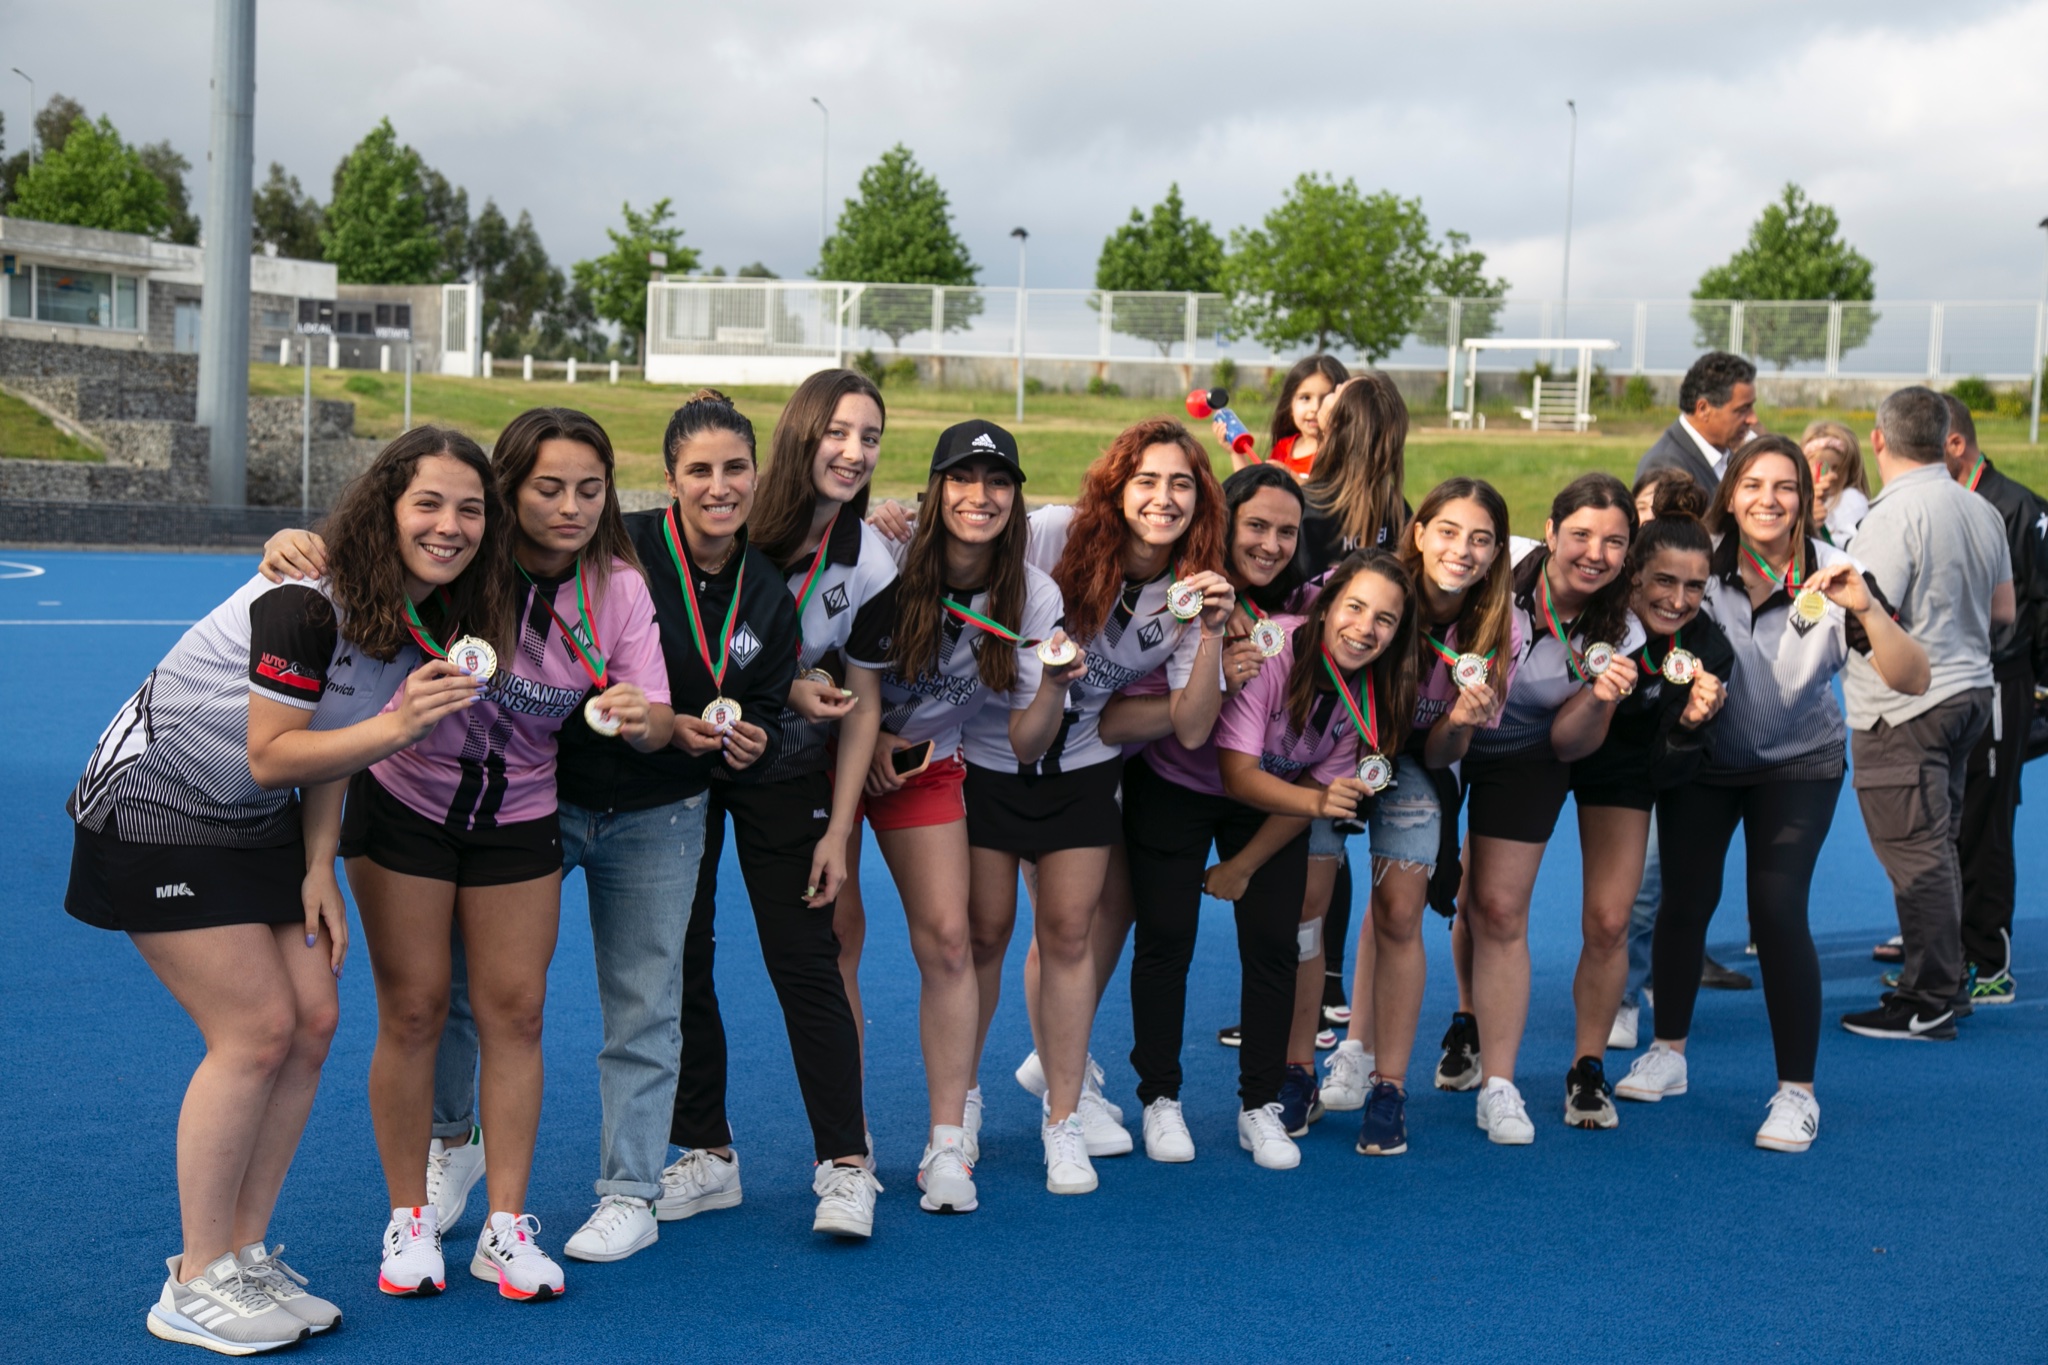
(777, 331)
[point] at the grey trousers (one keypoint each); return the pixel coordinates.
(1909, 782)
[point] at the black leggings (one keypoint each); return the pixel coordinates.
(777, 825)
(1167, 832)
(1784, 824)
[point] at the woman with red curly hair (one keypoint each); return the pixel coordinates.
(1136, 559)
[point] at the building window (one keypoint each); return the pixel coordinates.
(124, 302)
(82, 298)
(276, 320)
(20, 294)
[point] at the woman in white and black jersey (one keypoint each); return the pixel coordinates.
(1791, 607)
(1465, 652)
(191, 840)
(1572, 599)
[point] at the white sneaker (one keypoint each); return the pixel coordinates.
(621, 1226)
(1655, 1075)
(1104, 1134)
(412, 1254)
(846, 1199)
(1793, 1123)
(1263, 1133)
(946, 1174)
(1166, 1132)
(286, 1287)
(507, 1256)
(698, 1181)
(1067, 1168)
(223, 1310)
(452, 1172)
(1503, 1115)
(970, 1117)
(868, 1158)
(1031, 1075)
(1622, 1036)
(1350, 1076)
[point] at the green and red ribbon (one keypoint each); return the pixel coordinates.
(418, 629)
(1573, 660)
(582, 636)
(980, 622)
(1367, 721)
(1790, 580)
(1448, 655)
(675, 550)
(1976, 474)
(1644, 662)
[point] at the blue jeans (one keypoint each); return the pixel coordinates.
(640, 870)
(1642, 922)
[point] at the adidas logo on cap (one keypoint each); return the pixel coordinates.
(982, 442)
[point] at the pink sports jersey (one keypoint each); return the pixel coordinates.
(494, 764)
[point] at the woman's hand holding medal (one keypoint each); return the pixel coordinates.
(1219, 599)
(1613, 685)
(1843, 586)
(1242, 660)
(1068, 673)
(819, 701)
(1475, 707)
(1340, 800)
(1708, 696)
(623, 707)
(435, 689)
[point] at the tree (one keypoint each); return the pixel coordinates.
(616, 282)
(527, 308)
(169, 166)
(1795, 252)
(50, 126)
(1168, 252)
(94, 180)
(1460, 273)
(287, 217)
(756, 271)
(377, 229)
(448, 221)
(1330, 264)
(900, 231)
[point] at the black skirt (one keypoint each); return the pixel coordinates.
(1034, 813)
(158, 888)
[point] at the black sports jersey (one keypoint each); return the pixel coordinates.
(1644, 739)
(173, 766)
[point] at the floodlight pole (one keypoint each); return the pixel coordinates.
(224, 307)
(31, 113)
(2034, 423)
(824, 176)
(1571, 168)
(1022, 236)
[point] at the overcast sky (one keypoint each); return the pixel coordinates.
(1923, 124)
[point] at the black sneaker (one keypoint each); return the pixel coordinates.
(1459, 1069)
(1231, 1037)
(1586, 1092)
(1715, 977)
(1896, 1018)
(1385, 1130)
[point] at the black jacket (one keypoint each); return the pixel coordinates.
(603, 774)
(1645, 745)
(2026, 533)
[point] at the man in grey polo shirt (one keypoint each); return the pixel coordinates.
(1938, 554)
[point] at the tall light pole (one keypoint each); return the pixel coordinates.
(1022, 236)
(2034, 424)
(1571, 170)
(31, 113)
(224, 307)
(824, 176)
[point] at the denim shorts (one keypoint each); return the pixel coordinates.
(1407, 821)
(1325, 840)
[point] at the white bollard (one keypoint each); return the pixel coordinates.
(526, 368)
(384, 359)
(572, 369)
(615, 372)
(487, 364)
(284, 351)
(333, 354)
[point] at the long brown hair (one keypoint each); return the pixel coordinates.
(1721, 519)
(1328, 366)
(366, 574)
(1605, 616)
(518, 450)
(1090, 572)
(1360, 466)
(920, 620)
(1484, 625)
(786, 497)
(1840, 439)
(1392, 671)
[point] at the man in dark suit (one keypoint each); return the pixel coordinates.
(1716, 404)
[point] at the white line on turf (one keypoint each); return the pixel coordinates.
(14, 568)
(80, 622)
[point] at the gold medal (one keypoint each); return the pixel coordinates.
(600, 720)
(474, 656)
(1810, 606)
(1469, 671)
(1184, 599)
(1057, 653)
(1269, 635)
(819, 676)
(1375, 772)
(722, 713)
(1680, 667)
(1598, 658)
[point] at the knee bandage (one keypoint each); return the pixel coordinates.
(1309, 938)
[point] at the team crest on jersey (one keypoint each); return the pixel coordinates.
(835, 599)
(1151, 633)
(745, 645)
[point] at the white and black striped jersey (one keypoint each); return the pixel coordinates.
(1138, 637)
(173, 767)
(936, 703)
(1542, 680)
(850, 611)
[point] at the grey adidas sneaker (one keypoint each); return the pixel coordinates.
(287, 1286)
(223, 1310)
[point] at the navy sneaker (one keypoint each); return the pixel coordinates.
(1299, 1104)
(1385, 1130)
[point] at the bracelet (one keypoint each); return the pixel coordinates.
(1222, 635)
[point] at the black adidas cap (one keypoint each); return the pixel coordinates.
(976, 440)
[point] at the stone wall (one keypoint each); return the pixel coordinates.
(338, 454)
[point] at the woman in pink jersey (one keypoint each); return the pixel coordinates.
(461, 831)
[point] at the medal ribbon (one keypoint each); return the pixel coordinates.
(803, 595)
(418, 629)
(675, 550)
(1444, 651)
(995, 628)
(582, 637)
(1368, 729)
(1644, 662)
(1573, 660)
(1790, 580)
(1976, 474)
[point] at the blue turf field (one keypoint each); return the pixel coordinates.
(1904, 1235)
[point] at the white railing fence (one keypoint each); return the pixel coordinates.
(777, 331)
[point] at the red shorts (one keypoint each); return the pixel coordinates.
(931, 798)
